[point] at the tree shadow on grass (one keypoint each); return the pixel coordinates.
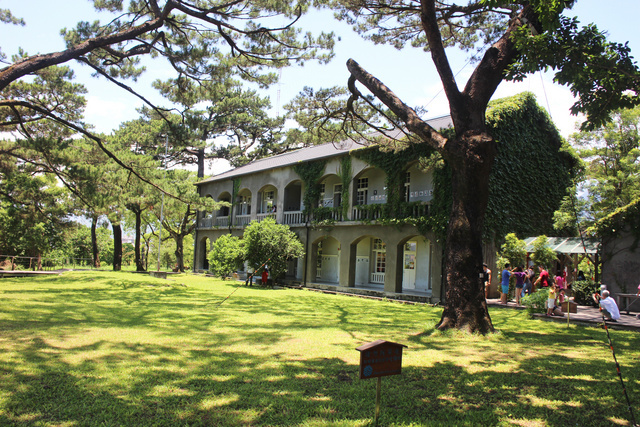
(207, 365)
(228, 388)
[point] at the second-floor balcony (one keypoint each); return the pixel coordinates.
(242, 220)
(362, 213)
(293, 217)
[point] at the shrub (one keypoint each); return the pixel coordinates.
(583, 291)
(272, 243)
(227, 255)
(537, 301)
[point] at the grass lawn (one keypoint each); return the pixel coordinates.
(104, 348)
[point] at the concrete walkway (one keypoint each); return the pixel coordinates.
(586, 315)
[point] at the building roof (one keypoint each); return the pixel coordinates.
(568, 245)
(307, 154)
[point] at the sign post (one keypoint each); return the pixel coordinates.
(379, 359)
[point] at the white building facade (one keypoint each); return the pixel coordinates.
(347, 244)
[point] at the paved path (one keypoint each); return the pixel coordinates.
(586, 315)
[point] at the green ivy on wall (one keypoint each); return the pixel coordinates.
(626, 217)
(346, 176)
(310, 173)
(394, 161)
(532, 172)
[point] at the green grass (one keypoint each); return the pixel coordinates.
(101, 348)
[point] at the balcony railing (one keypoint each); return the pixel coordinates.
(242, 220)
(261, 216)
(206, 222)
(367, 212)
(327, 213)
(413, 210)
(293, 217)
(359, 213)
(222, 221)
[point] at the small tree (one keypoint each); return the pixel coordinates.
(273, 243)
(227, 255)
(512, 251)
(542, 253)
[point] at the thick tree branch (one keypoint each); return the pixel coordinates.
(34, 63)
(490, 71)
(98, 70)
(411, 119)
(81, 130)
(438, 54)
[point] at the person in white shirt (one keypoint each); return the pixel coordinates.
(607, 305)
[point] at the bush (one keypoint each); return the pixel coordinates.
(537, 301)
(227, 255)
(583, 291)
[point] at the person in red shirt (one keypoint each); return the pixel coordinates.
(543, 280)
(265, 276)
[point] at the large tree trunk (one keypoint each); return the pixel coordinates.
(117, 246)
(471, 157)
(137, 211)
(200, 157)
(95, 251)
(179, 253)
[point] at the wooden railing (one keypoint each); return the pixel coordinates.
(242, 220)
(293, 217)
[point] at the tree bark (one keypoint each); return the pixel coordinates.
(117, 246)
(471, 158)
(179, 253)
(137, 211)
(95, 251)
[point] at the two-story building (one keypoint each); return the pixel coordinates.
(347, 242)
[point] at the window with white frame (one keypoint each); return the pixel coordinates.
(362, 191)
(337, 195)
(380, 255)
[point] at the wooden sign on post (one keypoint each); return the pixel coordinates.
(379, 359)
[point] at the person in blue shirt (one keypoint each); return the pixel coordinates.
(506, 275)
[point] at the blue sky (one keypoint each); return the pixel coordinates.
(409, 72)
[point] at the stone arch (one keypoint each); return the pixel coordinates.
(368, 256)
(325, 266)
(369, 188)
(202, 260)
(292, 200)
(243, 206)
(267, 199)
(414, 263)
(225, 196)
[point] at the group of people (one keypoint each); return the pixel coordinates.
(557, 286)
(526, 282)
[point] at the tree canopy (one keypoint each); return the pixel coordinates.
(508, 39)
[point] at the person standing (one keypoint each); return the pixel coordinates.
(520, 277)
(265, 276)
(551, 299)
(486, 280)
(544, 280)
(560, 282)
(506, 275)
(528, 282)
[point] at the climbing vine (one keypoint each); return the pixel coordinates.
(532, 172)
(620, 219)
(235, 191)
(346, 175)
(310, 173)
(394, 161)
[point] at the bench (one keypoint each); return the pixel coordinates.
(628, 298)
